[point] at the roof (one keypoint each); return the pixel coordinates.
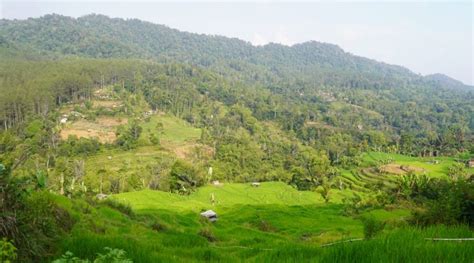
(209, 214)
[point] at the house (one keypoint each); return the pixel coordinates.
(63, 121)
(210, 215)
(255, 184)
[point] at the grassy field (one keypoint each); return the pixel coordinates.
(272, 223)
(172, 129)
(439, 169)
(177, 140)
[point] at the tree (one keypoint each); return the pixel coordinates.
(457, 171)
(325, 189)
(184, 177)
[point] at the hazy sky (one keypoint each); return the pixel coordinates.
(426, 37)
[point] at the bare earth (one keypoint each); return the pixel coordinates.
(103, 129)
(398, 169)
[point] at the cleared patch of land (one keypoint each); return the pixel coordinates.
(103, 128)
(110, 104)
(432, 166)
(399, 169)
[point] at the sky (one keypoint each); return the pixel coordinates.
(426, 37)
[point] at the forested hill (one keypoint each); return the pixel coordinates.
(315, 92)
(99, 36)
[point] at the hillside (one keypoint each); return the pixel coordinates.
(116, 134)
(271, 223)
(99, 36)
(317, 82)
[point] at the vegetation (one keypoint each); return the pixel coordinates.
(115, 134)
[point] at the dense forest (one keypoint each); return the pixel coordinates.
(304, 115)
(387, 106)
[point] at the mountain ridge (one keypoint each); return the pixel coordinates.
(100, 36)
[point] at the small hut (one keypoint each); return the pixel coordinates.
(210, 215)
(255, 184)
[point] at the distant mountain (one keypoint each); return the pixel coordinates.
(321, 94)
(446, 81)
(99, 36)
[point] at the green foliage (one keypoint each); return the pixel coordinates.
(29, 218)
(325, 189)
(303, 115)
(276, 222)
(353, 205)
(458, 171)
(184, 177)
(41, 179)
(449, 202)
(74, 146)
(412, 186)
(112, 255)
(372, 227)
(127, 136)
(7, 251)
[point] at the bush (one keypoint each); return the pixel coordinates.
(453, 204)
(127, 136)
(372, 227)
(184, 178)
(74, 146)
(30, 219)
(112, 255)
(7, 251)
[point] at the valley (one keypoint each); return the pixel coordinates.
(117, 134)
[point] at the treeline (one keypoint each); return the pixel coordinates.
(339, 121)
(247, 149)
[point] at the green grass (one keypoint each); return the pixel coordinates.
(227, 195)
(435, 170)
(271, 223)
(174, 129)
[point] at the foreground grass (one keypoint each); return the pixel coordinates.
(273, 223)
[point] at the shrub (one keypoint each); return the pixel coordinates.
(184, 178)
(372, 227)
(29, 218)
(352, 205)
(74, 146)
(127, 136)
(112, 255)
(7, 251)
(453, 204)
